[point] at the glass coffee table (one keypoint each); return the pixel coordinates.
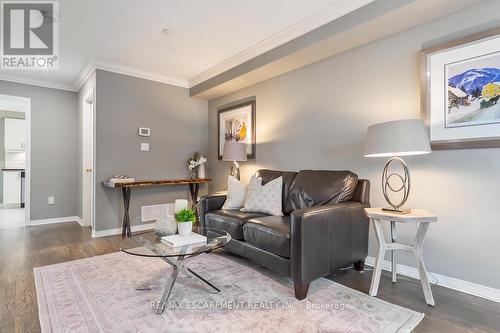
(148, 244)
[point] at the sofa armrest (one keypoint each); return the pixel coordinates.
(362, 192)
(209, 203)
(325, 238)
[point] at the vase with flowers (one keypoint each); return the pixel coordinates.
(196, 164)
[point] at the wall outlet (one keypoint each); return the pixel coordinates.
(144, 146)
(52, 200)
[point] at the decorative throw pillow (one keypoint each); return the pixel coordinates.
(264, 198)
(236, 193)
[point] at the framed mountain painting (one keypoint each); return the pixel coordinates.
(462, 92)
(237, 123)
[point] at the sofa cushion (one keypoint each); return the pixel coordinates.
(264, 198)
(236, 193)
(269, 175)
(230, 221)
(270, 233)
(319, 187)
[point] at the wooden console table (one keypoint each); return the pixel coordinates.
(194, 186)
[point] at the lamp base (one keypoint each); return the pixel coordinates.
(404, 185)
(235, 170)
(397, 211)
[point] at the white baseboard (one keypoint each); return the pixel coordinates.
(118, 231)
(79, 220)
(489, 293)
(10, 205)
(56, 220)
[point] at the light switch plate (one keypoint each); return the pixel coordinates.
(144, 146)
(51, 200)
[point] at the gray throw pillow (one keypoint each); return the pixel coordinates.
(264, 199)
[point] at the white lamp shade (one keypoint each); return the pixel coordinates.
(397, 138)
(234, 151)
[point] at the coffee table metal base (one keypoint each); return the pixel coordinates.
(177, 266)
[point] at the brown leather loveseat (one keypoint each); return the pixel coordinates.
(323, 227)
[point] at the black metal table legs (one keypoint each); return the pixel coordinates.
(193, 190)
(126, 191)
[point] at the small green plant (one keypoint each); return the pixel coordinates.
(185, 215)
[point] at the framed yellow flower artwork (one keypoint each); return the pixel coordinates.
(236, 123)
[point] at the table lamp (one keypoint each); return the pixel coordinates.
(395, 139)
(235, 152)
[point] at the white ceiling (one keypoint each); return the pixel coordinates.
(128, 33)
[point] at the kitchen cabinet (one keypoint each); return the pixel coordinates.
(14, 134)
(11, 187)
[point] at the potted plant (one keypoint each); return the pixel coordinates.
(185, 219)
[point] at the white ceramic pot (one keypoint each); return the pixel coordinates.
(201, 171)
(185, 228)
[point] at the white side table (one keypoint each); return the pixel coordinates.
(423, 218)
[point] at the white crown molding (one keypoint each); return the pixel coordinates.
(489, 293)
(90, 67)
(336, 9)
(82, 77)
(39, 83)
(56, 220)
(139, 73)
(118, 231)
(332, 12)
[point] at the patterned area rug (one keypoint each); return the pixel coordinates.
(98, 295)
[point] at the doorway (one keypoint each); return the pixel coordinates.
(15, 128)
(88, 161)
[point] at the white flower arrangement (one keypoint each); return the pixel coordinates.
(197, 160)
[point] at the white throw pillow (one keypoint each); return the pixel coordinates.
(264, 198)
(236, 193)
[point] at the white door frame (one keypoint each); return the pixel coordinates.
(22, 104)
(89, 99)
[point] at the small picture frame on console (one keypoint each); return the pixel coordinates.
(461, 92)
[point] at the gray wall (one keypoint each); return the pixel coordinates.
(316, 117)
(53, 148)
(178, 128)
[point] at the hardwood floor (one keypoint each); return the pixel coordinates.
(455, 312)
(22, 249)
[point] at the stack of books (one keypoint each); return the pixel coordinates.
(178, 240)
(121, 179)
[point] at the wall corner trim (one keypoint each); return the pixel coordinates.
(471, 288)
